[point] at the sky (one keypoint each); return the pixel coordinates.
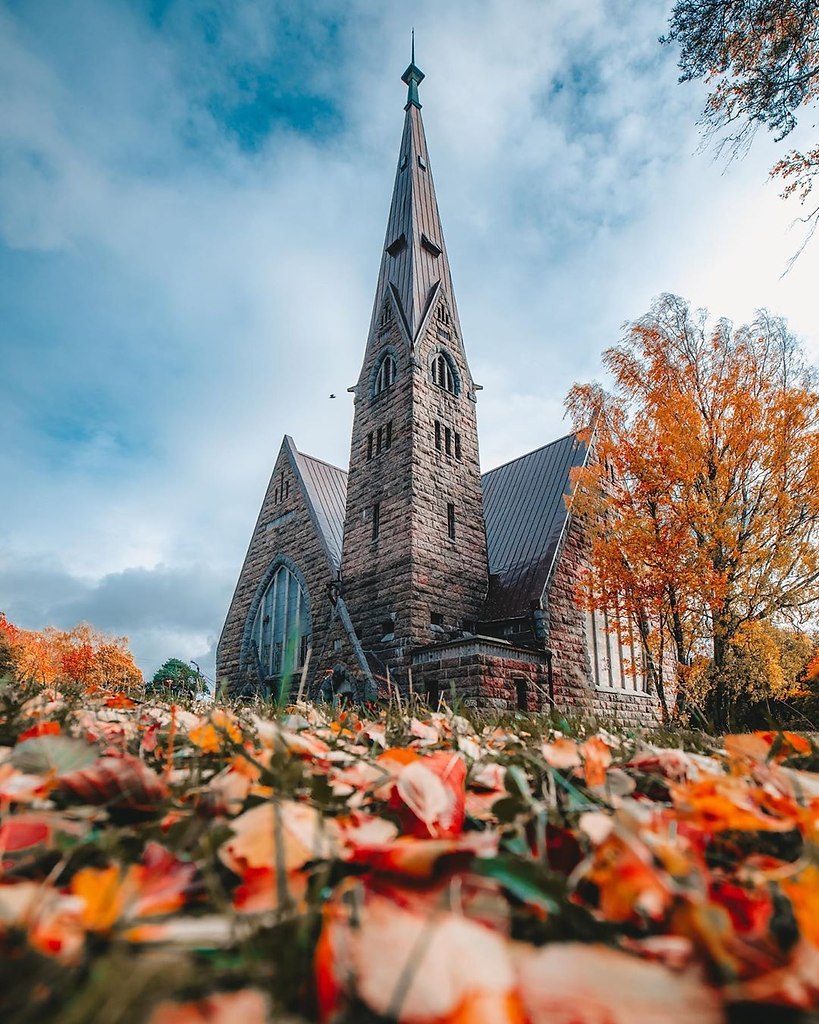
(193, 197)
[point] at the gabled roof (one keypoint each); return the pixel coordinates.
(326, 488)
(525, 512)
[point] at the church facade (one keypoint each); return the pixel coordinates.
(413, 568)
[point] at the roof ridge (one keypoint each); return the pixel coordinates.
(324, 462)
(557, 440)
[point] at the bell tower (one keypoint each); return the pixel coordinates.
(414, 567)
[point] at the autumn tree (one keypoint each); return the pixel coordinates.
(80, 655)
(702, 502)
(761, 61)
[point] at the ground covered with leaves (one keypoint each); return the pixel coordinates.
(166, 865)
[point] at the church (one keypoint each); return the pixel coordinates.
(413, 569)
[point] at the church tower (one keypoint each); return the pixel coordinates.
(414, 568)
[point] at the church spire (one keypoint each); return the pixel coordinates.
(414, 269)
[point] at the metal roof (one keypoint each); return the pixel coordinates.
(525, 512)
(327, 490)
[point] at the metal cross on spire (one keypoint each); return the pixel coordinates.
(413, 77)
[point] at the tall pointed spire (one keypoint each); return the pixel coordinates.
(414, 267)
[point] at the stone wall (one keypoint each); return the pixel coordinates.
(413, 581)
(284, 529)
(571, 665)
(483, 672)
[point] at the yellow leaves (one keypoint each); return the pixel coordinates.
(803, 892)
(211, 735)
(102, 895)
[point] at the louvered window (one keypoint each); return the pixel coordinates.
(385, 377)
(443, 374)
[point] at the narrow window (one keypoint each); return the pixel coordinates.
(448, 440)
(385, 377)
(450, 520)
(521, 694)
(388, 436)
(376, 520)
(276, 496)
(287, 488)
(438, 434)
(457, 445)
(370, 445)
(379, 437)
(442, 373)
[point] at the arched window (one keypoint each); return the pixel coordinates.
(281, 629)
(443, 374)
(385, 375)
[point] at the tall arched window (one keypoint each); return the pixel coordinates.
(281, 629)
(443, 374)
(385, 375)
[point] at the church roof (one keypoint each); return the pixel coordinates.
(525, 511)
(326, 488)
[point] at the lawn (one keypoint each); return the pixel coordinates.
(171, 864)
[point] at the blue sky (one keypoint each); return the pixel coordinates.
(192, 205)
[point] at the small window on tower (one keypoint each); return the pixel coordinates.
(438, 434)
(397, 247)
(431, 247)
(388, 436)
(369, 445)
(385, 376)
(422, 162)
(447, 440)
(378, 439)
(450, 520)
(457, 445)
(376, 520)
(437, 619)
(443, 374)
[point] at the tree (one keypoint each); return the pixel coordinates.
(702, 504)
(80, 655)
(761, 58)
(177, 677)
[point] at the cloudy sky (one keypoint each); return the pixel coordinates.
(193, 196)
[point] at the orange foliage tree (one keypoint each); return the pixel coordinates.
(81, 655)
(702, 504)
(761, 59)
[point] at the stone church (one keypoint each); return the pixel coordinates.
(412, 568)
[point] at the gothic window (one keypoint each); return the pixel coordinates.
(615, 651)
(281, 629)
(443, 373)
(385, 374)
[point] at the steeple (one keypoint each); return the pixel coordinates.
(414, 564)
(414, 265)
